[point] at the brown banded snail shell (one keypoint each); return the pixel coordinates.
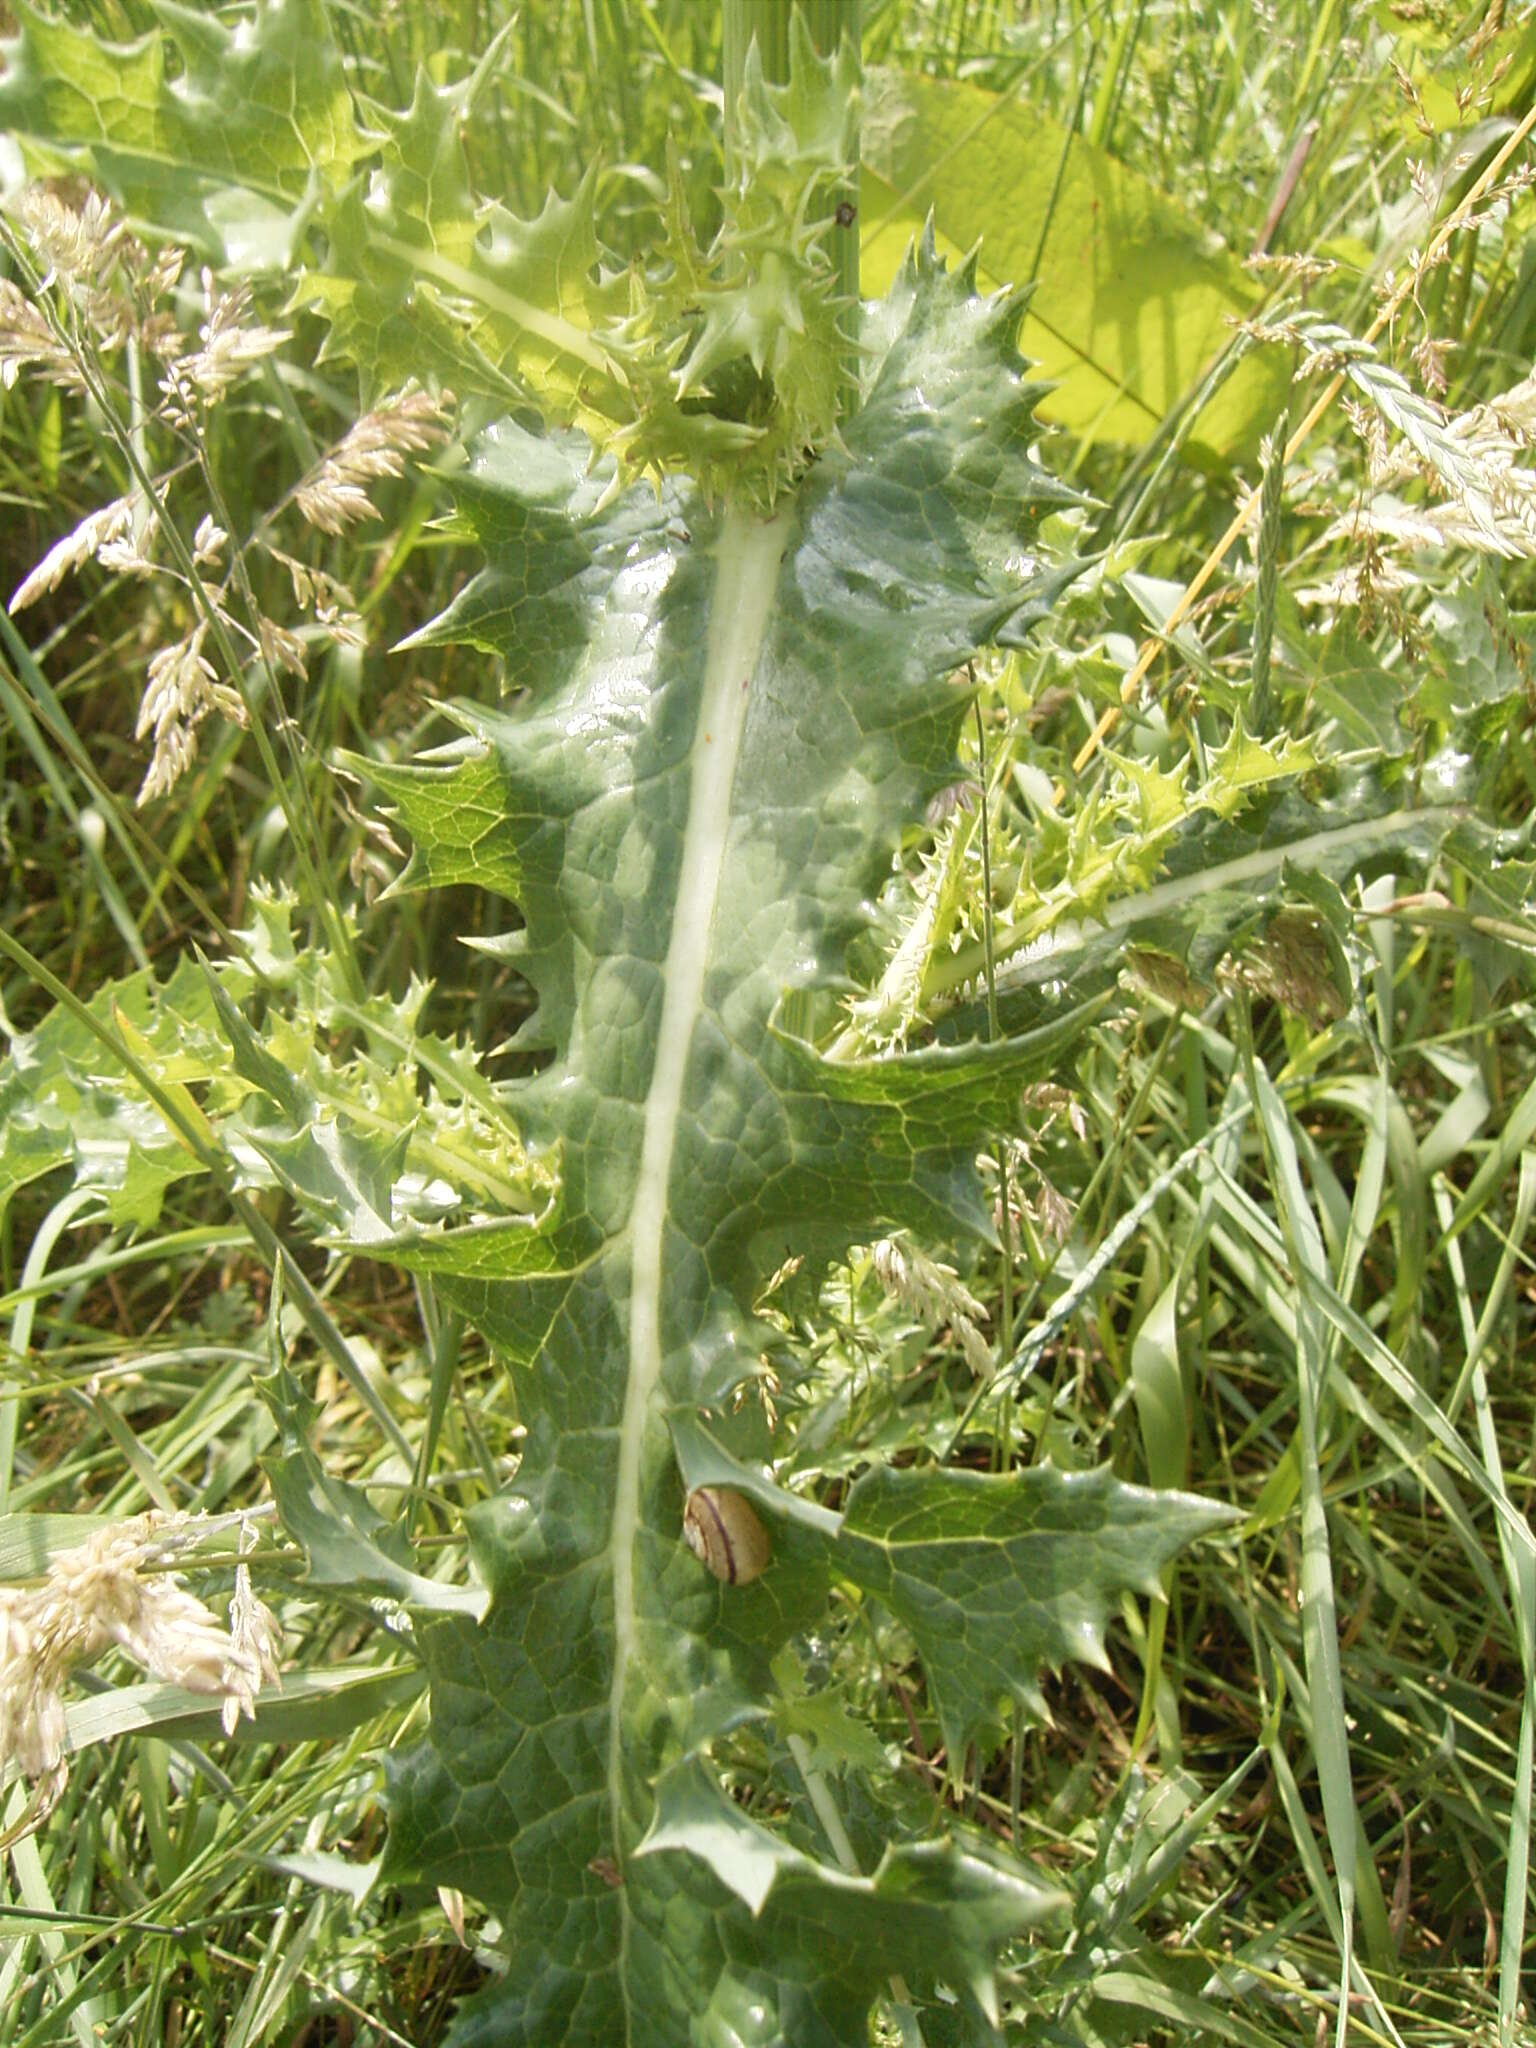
(722, 1530)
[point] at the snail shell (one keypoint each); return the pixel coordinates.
(722, 1530)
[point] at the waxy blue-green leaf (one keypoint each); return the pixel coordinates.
(999, 1575)
(348, 1541)
(932, 1912)
(722, 722)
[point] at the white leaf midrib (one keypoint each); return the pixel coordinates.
(747, 555)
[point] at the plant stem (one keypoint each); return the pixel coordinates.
(825, 1807)
(1272, 501)
(1005, 1225)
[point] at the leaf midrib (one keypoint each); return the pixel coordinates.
(748, 554)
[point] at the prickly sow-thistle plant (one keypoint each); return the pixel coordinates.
(726, 711)
(732, 624)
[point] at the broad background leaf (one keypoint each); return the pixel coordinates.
(1134, 297)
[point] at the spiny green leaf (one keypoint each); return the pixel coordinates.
(423, 278)
(65, 1102)
(1160, 793)
(999, 1575)
(1481, 656)
(1241, 764)
(1351, 685)
(837, 1738)
(396, 1126)
(729, 361)
(935, 1912)
(725, 718)
(1221, 883)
